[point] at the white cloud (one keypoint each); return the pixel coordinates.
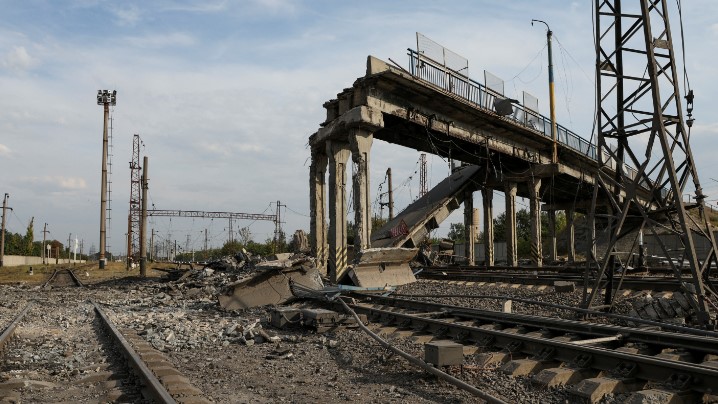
(161, 40)
(127, 16)
(18, 59)
(5, 151)
(56, 181)
(714, 28)
(197, 6)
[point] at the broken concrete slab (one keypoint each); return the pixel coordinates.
(379, 267)
(273, 286)
(563, 286)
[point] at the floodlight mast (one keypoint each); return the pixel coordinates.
(104, 98)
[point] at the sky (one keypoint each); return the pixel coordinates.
(225, 94)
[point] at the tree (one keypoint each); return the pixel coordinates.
(28, 239)
(456, 232)
(245, 235)
(231, 248)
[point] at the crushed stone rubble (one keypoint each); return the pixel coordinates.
(238, 356)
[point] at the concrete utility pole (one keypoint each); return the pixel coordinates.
(205, 240)
(2, 235)
(104, 98)
(554, 151)
(143, 222)
(153, 249)
(44, 238)
(391, 194)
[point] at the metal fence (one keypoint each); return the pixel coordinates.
(481, 96)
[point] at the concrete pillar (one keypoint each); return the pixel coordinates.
(488, 202)
(570, 236)
(535, 212)
(360, 141)
(512, 256)
(338, 155)
(317, 207)
(552, 254)
(469, 230)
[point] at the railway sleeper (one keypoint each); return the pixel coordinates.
(589, 376)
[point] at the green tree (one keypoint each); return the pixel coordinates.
(29, 238)
(456, 232)
(231, 248)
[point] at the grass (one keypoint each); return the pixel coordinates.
(88, 273)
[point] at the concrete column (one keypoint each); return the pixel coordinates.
(469, 230)
(535, 212)
(360, 141)
(317, 207)
(552, 254)
(488, 202)
(512, 256)
(338, 154)
(570, 236)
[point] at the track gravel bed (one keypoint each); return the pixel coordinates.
(225, 355)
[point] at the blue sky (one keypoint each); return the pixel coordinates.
(226, 93)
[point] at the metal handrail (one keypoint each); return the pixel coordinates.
(481, 97)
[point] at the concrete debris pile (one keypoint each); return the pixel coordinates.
(273, 282)
(319, 320)
(241, 260)
(175, 331)
(671, 307)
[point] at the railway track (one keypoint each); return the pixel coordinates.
(62, 277)
(543, 277)
(86, 358)
(593, 359)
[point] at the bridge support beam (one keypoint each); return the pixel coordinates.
(487, 195)
(570, 236)
(469, 230)
(552, 253)
(512, 256)
(338, 153)
(317, 207)
(360, 141)
(535, 212)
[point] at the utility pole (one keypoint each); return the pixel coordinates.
(552, 101)
(205, 240)
(143, 221)
(153, 253)
(423, 185)
(104, 98)
(2, 236)
(69, 237)
(44, 238)
(278, 226)
(391, 194)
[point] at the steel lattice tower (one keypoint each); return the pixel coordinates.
(645, 160)
(135, 200)
(423, 185)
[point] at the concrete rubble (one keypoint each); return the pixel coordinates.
(272, 283)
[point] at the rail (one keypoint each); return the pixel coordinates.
(153, 385)
(9, 331)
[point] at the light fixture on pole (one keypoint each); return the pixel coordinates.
(104, 98)
(549, 34)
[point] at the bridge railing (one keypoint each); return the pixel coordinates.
(482, 97)
(478, 94)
